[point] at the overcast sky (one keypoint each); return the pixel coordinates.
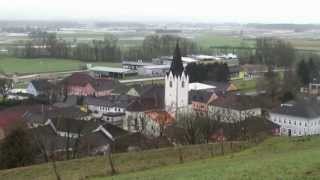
(264, 11)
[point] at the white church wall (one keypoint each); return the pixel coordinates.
(176, 91)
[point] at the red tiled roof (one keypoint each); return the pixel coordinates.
(161, 117)
(14, 114)
(78, 79)
(82, 79)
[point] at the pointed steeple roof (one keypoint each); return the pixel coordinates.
(176, 65)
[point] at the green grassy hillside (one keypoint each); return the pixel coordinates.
(277, 158)
(124, 163)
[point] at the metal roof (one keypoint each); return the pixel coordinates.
(200, 86)
(110, 69)
(166, 66)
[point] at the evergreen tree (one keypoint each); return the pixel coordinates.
(312, 70)
(208, 72)
(303, 72)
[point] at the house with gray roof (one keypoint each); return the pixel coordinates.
(233, 108)
(297, 118)
(39, 87)
(109, 108)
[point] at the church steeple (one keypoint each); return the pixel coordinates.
(176, 66)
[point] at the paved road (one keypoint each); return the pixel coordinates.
(41, 75)
(142, 79)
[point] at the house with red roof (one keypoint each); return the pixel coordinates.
(200, 100)
(9, 117)
(82, 84)
(156, 122)
(150, 100)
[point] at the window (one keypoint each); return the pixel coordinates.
(170, 83)
(136, 123)
(305, 124)
(289, 121)
(295, 122)
(182, 84)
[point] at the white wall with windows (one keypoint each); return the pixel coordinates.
(296, 126)
(176, 91)
(134, 121)
(98, 111)
(232, 115)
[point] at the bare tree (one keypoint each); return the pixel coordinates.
(47, 147)
(110, 162)
(209, 125)
(5, 86)
(190, 125)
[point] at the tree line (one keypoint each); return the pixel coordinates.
(44, 44)
(269, 51)
(308, 71)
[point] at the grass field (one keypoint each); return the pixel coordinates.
(306, 44)
(277, 158)
(212, 39)
(124, 163)
(246, 85)
(28, 66)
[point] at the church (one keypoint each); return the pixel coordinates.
(159, 106)
(176, 85)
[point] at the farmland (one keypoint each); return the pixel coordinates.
(246, 85)
(12, 65)
(210, 39)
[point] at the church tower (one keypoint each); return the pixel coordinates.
(176, 84)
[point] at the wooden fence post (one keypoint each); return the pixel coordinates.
(222, 147)
(180, 155)
(211, 150)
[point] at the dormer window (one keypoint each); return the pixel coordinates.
(182, 84)
(170, 83)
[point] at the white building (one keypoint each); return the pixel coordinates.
(154, 70)
(152, 99)
(156, 122)
(176, 85)
(233, 108)
(110, 108)
(297, 118)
